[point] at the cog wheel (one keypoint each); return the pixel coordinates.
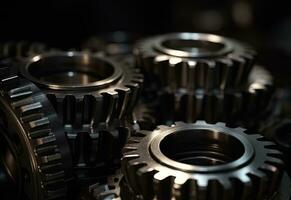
(34, 150)
(93, 95)
(231, 105)
(201, 161)
(195, 61)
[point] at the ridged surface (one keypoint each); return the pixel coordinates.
(44, 136)
(212, 72)
(94, 118)
(154, 180)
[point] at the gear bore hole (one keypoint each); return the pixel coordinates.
(201, 147)
(199, 46)
(69, 70)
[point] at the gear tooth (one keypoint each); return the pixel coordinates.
(180, 123)
(110, 100)
(20, 92)
(259, 183)
(200, 122)
(240, 129)
(143, 133)
(131, 174)
(181, 188)
(161, 58)
(27, 109)
(133, 140)
(37, 124)
(275, 161)
(69, 110)
(162, 127)
(242, 187)
(221, 124)
(268, 144)
(163, 185)
(145, 179)
(274, 176)
(202, 189)
(129, 149)
(123, 100)
(274, 152)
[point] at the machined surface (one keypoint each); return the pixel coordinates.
(35, 152)
(201, 161)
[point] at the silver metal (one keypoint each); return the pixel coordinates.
(201, 161)
(71, 71)
(195, 60)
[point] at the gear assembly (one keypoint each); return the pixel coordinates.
(179, 116)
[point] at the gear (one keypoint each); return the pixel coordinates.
(93, 95)
(232, 105)
(195, 61)
(201, 161)
(34, 148)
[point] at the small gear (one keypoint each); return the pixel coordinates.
(93, 95)
(195, 60)
(201, 161)
(34, 148)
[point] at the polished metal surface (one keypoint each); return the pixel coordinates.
(34, 153)
(71, 71)
(201, 161)
(195, 60)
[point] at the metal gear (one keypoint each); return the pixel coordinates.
(92, 95)
(195, 61)
(231, 105)
(201, 161)
(34, 150)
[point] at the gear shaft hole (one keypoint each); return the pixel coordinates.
(201, 147)
(197, 46)
(80, 69)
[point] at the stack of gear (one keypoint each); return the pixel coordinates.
(73, 125)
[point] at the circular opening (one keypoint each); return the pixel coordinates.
(194, 46)
(201, 147)
(70, 70)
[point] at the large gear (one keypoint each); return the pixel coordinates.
(34, 148)
(201, 161)
(195, 60)
(93, 95)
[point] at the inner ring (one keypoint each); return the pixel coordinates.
(201, 149)
(194, 45)
(71, 70)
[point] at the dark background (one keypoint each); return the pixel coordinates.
(67, 23)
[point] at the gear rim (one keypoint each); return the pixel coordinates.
(38, 136)
(144, 173)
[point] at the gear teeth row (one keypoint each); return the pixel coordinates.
(93, 114)
(21, 49)
(216, 72)
(40, 123)
(212, 106)
(154, 180)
